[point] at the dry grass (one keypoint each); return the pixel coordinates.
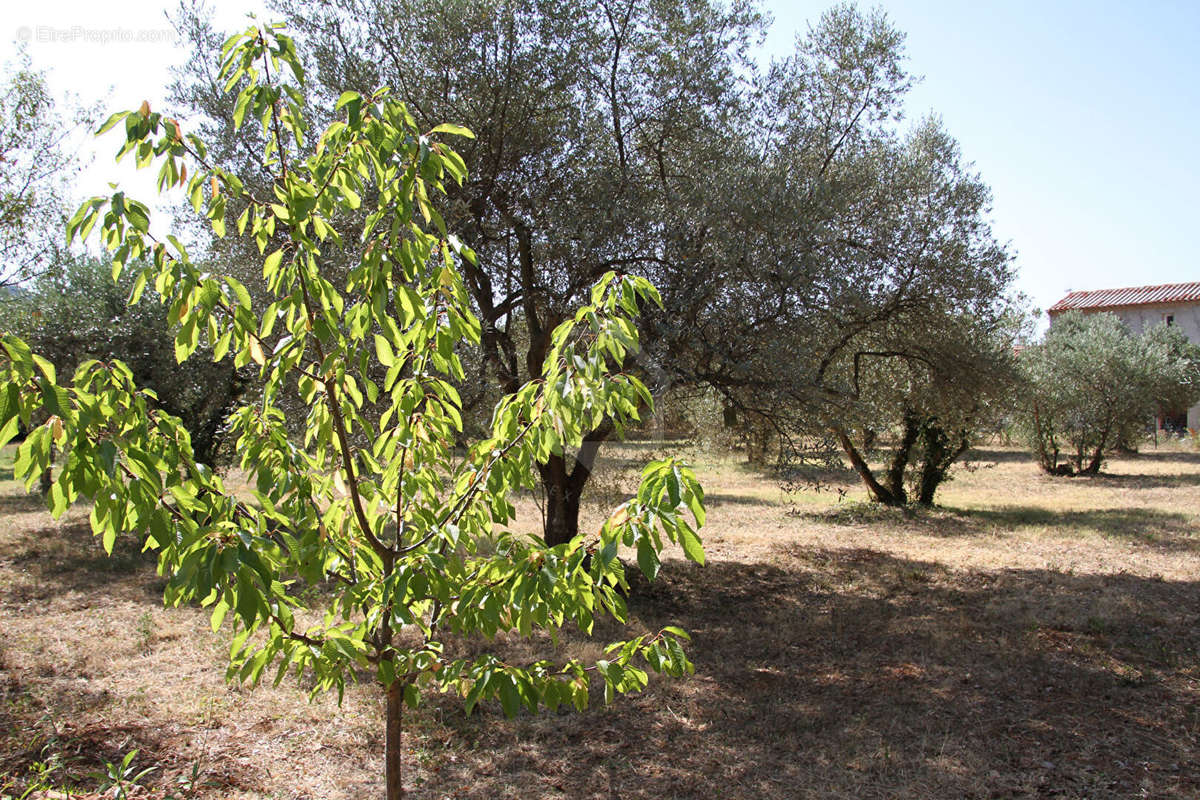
(1032, 637)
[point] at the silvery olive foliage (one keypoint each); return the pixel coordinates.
(1095, 386)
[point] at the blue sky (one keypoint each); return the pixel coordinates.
(1083, 117)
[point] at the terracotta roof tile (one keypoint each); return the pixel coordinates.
(1133, 296)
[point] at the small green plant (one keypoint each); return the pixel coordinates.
(145, 631)
(120, 779)
(39, 779)
(189, 783)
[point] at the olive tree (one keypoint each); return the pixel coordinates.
(75, 311)
(1092, 382)
(409, 537)
(918, 410)
(867, 302)
(593, 120)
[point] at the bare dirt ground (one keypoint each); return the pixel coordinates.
(1031, 637)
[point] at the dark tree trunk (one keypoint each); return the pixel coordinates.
(204, 422)
(562, 502)
(936, 460)
(895, 473)
(729, 416)
(564, 489)
(758, 443)
(1097, 458)
(879, 492)
(932, 470)
(393, 751)
(931, 479)
(1078, 459)
(1047, 453)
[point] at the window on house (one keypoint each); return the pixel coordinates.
(1170, 319)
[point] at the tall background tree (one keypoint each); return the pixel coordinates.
(792, 226)
(36, 166)
(589, 119)
(856, 257)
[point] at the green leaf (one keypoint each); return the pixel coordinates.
(45, 367)
(648, 558)
(9, 430)
(239, 291)
(692, 547)
(57, 500)
(247, 599)
(346, 97)
(510, 697)
(271, 263)
(109, 537)
(9, 403)
(111, 121)
(456, 130)
(384, 351)
(218, 614)
(55, 398)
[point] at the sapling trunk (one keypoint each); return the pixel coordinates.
(393, 752)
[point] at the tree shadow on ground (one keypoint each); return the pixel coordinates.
(1164, 530)
(23, 503)
(1020, 455)
(80, 750)
(1164, 456)
(1143, 481)
(828, 673)
(852, 673)
(714, 499)
(1005, 456)
(60, 558)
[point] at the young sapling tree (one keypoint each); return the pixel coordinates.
(407, 536)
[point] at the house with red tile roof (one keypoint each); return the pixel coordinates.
(1140, 308)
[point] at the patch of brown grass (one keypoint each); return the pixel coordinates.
(1030, 637)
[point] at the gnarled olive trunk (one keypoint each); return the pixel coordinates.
(879, 492)
(940, 451)
(937, 450)
(564, 487)
(900, 458)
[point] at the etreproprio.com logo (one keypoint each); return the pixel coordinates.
(78, 34)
